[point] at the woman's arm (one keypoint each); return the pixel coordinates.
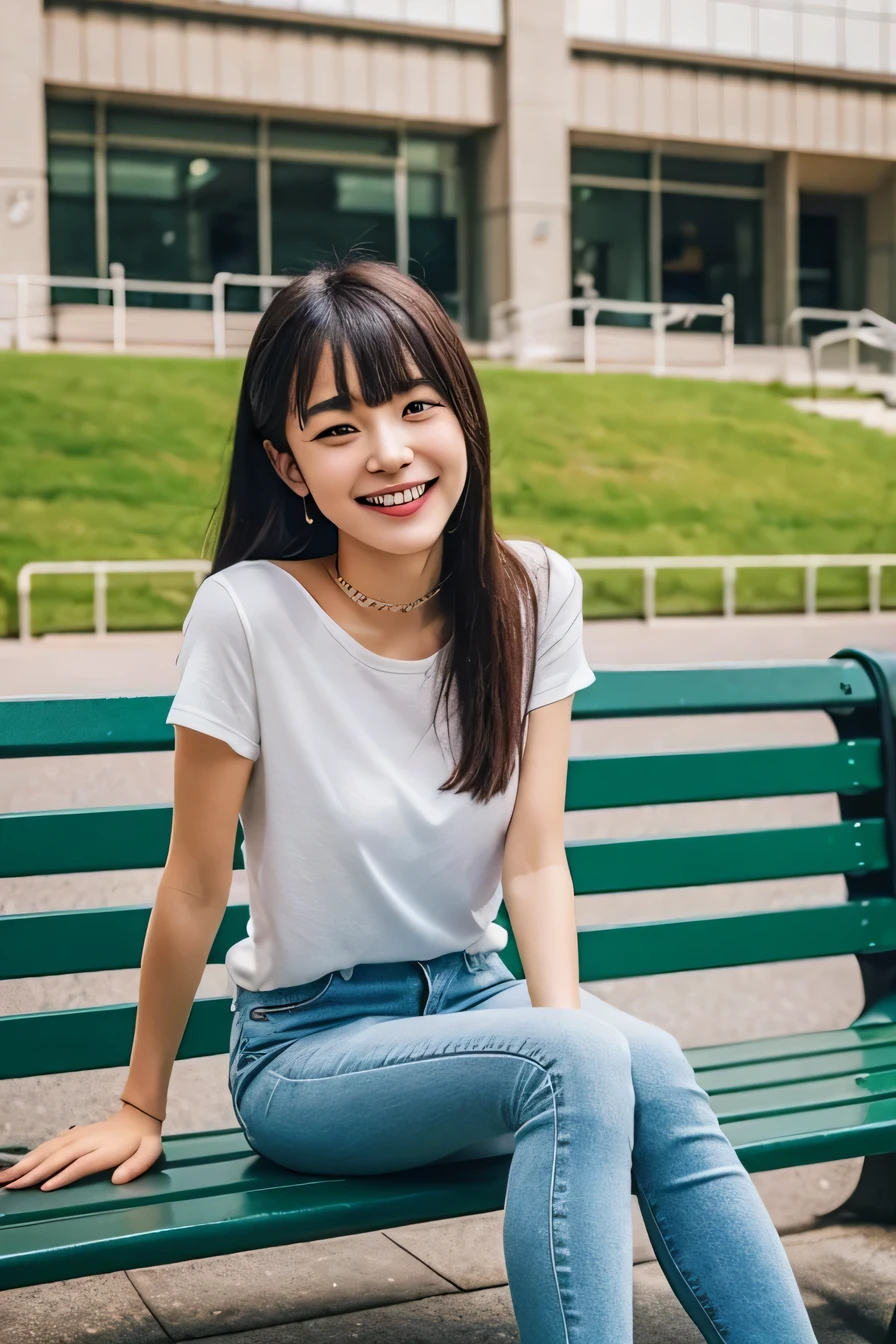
(538, 890)
(210, 781)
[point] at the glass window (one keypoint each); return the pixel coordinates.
(712, 246)
(182, 217)
(331, 139)
(722, 172)
(72, 219)
(155, 125)
(610, 162)
(433, 219)
(322, 211)
(65, 116)
(610, 247)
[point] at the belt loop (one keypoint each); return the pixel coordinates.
(347, 973)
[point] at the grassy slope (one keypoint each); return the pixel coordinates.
(105, 458)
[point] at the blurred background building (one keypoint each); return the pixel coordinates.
(518, 152)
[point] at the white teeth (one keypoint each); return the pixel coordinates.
(402, 497)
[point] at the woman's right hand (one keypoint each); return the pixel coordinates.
(129, 1141)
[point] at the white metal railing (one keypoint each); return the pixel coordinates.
(100, 569)
(858, 326)
(512, 325)
(730, 564)
(119, 286)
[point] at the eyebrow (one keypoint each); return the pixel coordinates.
(343, 402)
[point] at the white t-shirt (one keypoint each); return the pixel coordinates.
(352, 854)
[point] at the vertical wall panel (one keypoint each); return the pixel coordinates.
(709, 106)
(479, 88)
(167, 54)
(889, 126)
(447, 90)
(324, 68)
(757, 112)
(873, 104)
(199, 60)
(850, 121)
(781, 114)
(261, 62)
(682, 103)
(386, 79)
(100, 50)
(804, 116)
(416, 79)
(626, 98)
(596, 94)
(291, 68)
(356, 75)
(734, 114)
(828, 125)
(64, 52)
(654, 86)
(231, 74)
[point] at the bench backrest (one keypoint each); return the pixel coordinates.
(858, 768)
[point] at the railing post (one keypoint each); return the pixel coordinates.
(649, 594)
(728, 331)
(853, 351)
(874, 572)
(100, 586)
(729, 591)
(23, 585)
(590, 351)
(811, 589)
(119, 308)
(219, 316)
(22, 313)
(659, 344)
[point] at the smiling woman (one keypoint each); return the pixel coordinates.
(361, 637)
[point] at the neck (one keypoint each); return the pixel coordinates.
(391, 578)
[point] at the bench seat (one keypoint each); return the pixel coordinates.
(783, 1101)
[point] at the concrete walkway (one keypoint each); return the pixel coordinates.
(445, 1281)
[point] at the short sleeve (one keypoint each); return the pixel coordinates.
(217, 683)
(560, 663)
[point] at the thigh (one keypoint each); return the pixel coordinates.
(388, 1094)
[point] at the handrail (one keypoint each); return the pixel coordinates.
(100, 569)
(512, 321)
(730, 564)
(649, 565)
(860, 326)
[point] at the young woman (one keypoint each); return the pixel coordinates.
(380, 688)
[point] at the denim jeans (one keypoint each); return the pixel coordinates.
(407, 1063)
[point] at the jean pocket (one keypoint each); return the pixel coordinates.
(277, 1006)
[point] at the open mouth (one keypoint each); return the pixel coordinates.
(392, 498)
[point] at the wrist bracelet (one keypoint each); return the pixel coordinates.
(141, 1110)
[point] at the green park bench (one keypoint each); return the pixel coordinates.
(783, 1101)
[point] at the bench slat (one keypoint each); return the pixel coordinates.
(769, 1048)
(663, 862)
(68, 941)
(872, 1058)
(698, 776)
(617, 693)
(93, 840)
(615, 952)
(82, 726)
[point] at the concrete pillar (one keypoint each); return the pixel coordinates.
(525, 162)
(781, 228)
(24, 245)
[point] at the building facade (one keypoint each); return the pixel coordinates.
(517, 152)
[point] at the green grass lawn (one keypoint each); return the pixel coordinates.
(117, 457)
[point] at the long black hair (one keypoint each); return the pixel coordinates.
(388, 322)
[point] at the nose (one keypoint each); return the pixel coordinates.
(390, 450)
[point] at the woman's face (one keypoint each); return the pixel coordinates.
(351, 455)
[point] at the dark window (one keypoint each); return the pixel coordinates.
(610, 162)
(135, 121)
(331, 139)
(712, 246)
(610, 247)
(433, 211)
(182, 217)
(720, 172)
(72, 219)
(65, 116)
(323, 211)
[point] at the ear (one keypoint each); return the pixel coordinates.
(286, 468)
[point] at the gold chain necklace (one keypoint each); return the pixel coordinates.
(364, 601)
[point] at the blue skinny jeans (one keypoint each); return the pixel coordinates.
(408, 1063)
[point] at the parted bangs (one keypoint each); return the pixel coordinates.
(363, 326)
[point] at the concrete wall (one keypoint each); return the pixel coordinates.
(23, 155)
(484, 16)
(271, 66)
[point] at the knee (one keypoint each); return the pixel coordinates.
(660, 1069)
(591, 1060)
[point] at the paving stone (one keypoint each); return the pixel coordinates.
(263, 1288)
(465, 1318)
(103, 1309)
(848, 1279)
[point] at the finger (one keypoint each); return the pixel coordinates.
(37, 1155)
(98, 1160)
(141, 1161)
(40, 1171)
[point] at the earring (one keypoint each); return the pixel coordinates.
(305, 504)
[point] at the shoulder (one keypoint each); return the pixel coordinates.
(225, 598)
(557, 579)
